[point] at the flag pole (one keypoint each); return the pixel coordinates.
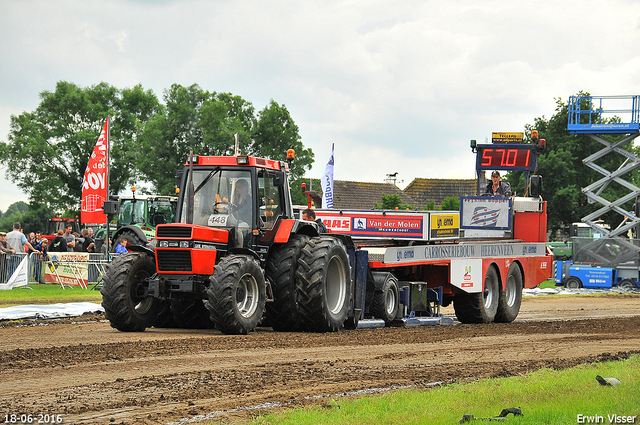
(108, 193)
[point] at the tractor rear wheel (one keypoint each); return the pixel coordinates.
(511, 298)
(236, 294)
(479, 307)
(282, 313)
(324, 284)
(124, 289)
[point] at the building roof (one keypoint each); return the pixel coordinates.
(363, 195)
(437, 190)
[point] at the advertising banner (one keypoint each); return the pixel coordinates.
(485, 212)
(94, 185)
(376, 225)
(67, 268)
(444, 225)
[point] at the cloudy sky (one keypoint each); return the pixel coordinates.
(397, 85)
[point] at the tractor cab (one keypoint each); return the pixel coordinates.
(243, 195)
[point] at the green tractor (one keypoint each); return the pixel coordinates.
(139, 215)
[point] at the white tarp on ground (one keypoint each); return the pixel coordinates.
(559, 290)
(51, 311)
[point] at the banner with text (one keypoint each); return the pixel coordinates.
(94, 185)
(67, 268)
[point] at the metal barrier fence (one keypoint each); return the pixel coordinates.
(56, 268)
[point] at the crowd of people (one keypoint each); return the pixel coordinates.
(16, 242)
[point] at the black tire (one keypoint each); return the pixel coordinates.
(190, 313)
(627, 283)
(282, 313)
(323, 284)
(131, 237)
(573, 283)
(123, 290)
(511, 297)
(236, 294)
(480, 307)
(386, 302)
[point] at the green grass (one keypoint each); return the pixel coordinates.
(545, 397)
(47, 294)
(547, 284)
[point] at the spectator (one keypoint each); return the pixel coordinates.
(5, 248)
(310, 215)
(42, 247)
(79, 241)
(17, 239)
(88, 243)
(59, 243)
(70, 240)
(5, 252)
(122, 246)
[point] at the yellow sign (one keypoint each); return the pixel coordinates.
(444, 225)
(507, 137)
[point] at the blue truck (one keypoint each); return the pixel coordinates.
(575, 276)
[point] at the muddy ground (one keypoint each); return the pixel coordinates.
(90, 373)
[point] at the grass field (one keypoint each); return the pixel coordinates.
(545, 397)
(47, 294)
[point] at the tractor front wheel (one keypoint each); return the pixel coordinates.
(124, 292)
(236, 294)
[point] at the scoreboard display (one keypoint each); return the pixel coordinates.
(508, 157)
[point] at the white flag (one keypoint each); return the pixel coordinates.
(327, 184)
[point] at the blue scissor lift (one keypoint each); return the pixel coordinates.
(596, 116)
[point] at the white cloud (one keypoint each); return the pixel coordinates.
(396, 85)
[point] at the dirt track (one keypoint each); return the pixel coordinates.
(90, 373)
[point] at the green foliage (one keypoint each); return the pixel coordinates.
(32, 218)
(431, 206)
(274, 133)
(48, 149)
(299, 198)
(545, 397)
(391, 202)
(205, 123)
(564, 174)
(451, 203)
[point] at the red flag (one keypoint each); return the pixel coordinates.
(94, 185)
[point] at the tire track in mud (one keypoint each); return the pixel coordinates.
(93, 374)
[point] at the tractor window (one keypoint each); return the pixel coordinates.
(126, 212)
(222, 198)
(161, 211)
(271, 198)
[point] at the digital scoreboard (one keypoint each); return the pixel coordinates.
(508, 157)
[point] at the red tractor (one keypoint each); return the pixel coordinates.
(234, 252)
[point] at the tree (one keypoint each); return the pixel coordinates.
(391, 202)
(564, 174)
(48, 149)
(205, 123)
(275, 133)
(451, 203)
